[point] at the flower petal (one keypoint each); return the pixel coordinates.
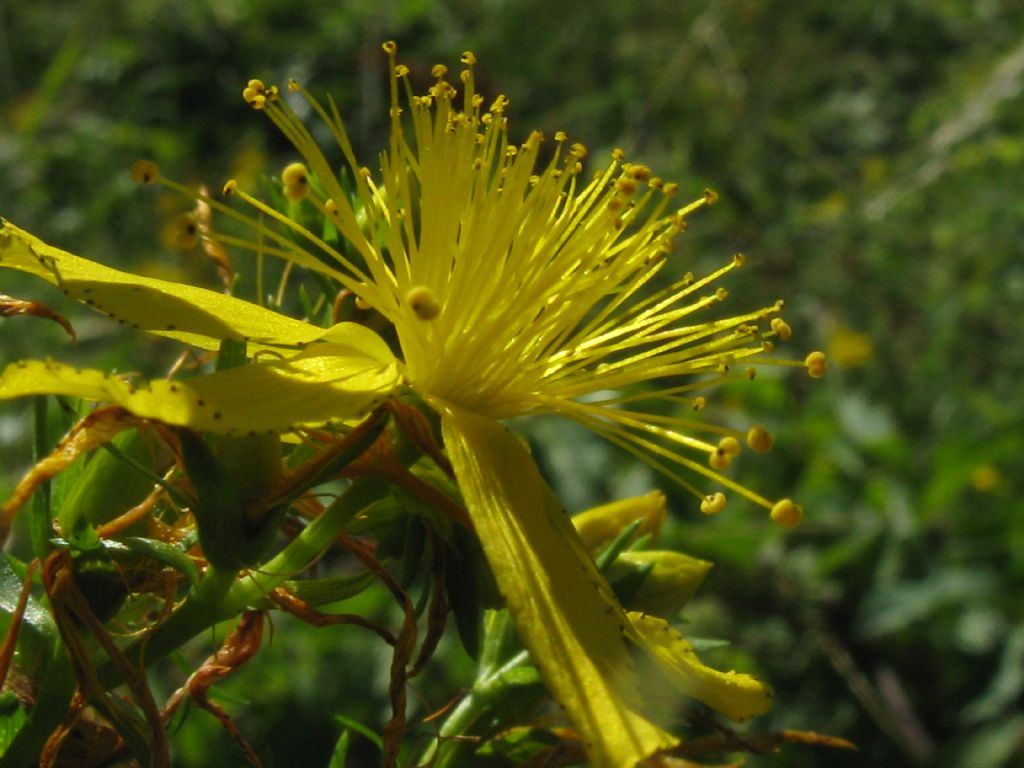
(194, 315)
(327, 382)
(735, 695)
(564, 610)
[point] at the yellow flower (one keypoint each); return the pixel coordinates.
(516, 287)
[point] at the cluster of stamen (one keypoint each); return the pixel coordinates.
(515, 288)
(257, 95)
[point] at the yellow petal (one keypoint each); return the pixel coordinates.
(326, 383)
(735, 695)
(194, 315)
(563, 609)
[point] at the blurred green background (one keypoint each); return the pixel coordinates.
(869, 161)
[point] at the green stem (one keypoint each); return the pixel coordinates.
(490, 691)
(221, 595)
(304, 548)
(41, 521)
(52, 700)
(201, 610)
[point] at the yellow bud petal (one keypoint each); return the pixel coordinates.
(602, 524)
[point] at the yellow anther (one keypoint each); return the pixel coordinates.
(295, 178)
(511, 151)
(254, 97)
(293, 84)
(670, 189)
(230, 187)
(401, 70)
(616, 204)
(699, 403)
(578, 151)
(390, 47)
(144, 171)
(295, 173)
(422, 301)
(468, 57)
(561, 136)
(438, 71)
(781, 328)
(331, 208)
(760, 439)
(625, 185)
(713, 504)
(710, 196)
(256, 85)
(499, 104)
(787, 514)
(721, 294)
(273, 93)
(656, 182)
(816, 364)
(767, 346)
(739, 259)
(185, 232)
(640, 172)
(618, 155)
(719, 460)
(730, 446)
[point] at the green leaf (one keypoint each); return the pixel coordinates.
(109, 484)
(354, 725)
(333, 589)
(12, 718)
(340, 754)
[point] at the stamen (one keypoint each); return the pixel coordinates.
(295, 178)
(145, 172)
(185, 232)
(787, 514)
(760, 439)
(781, 328)
(713, 504)
(816, 364)
(422, 301)
(730, 446)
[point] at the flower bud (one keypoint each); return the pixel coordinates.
(670, 581)
(601, 525)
